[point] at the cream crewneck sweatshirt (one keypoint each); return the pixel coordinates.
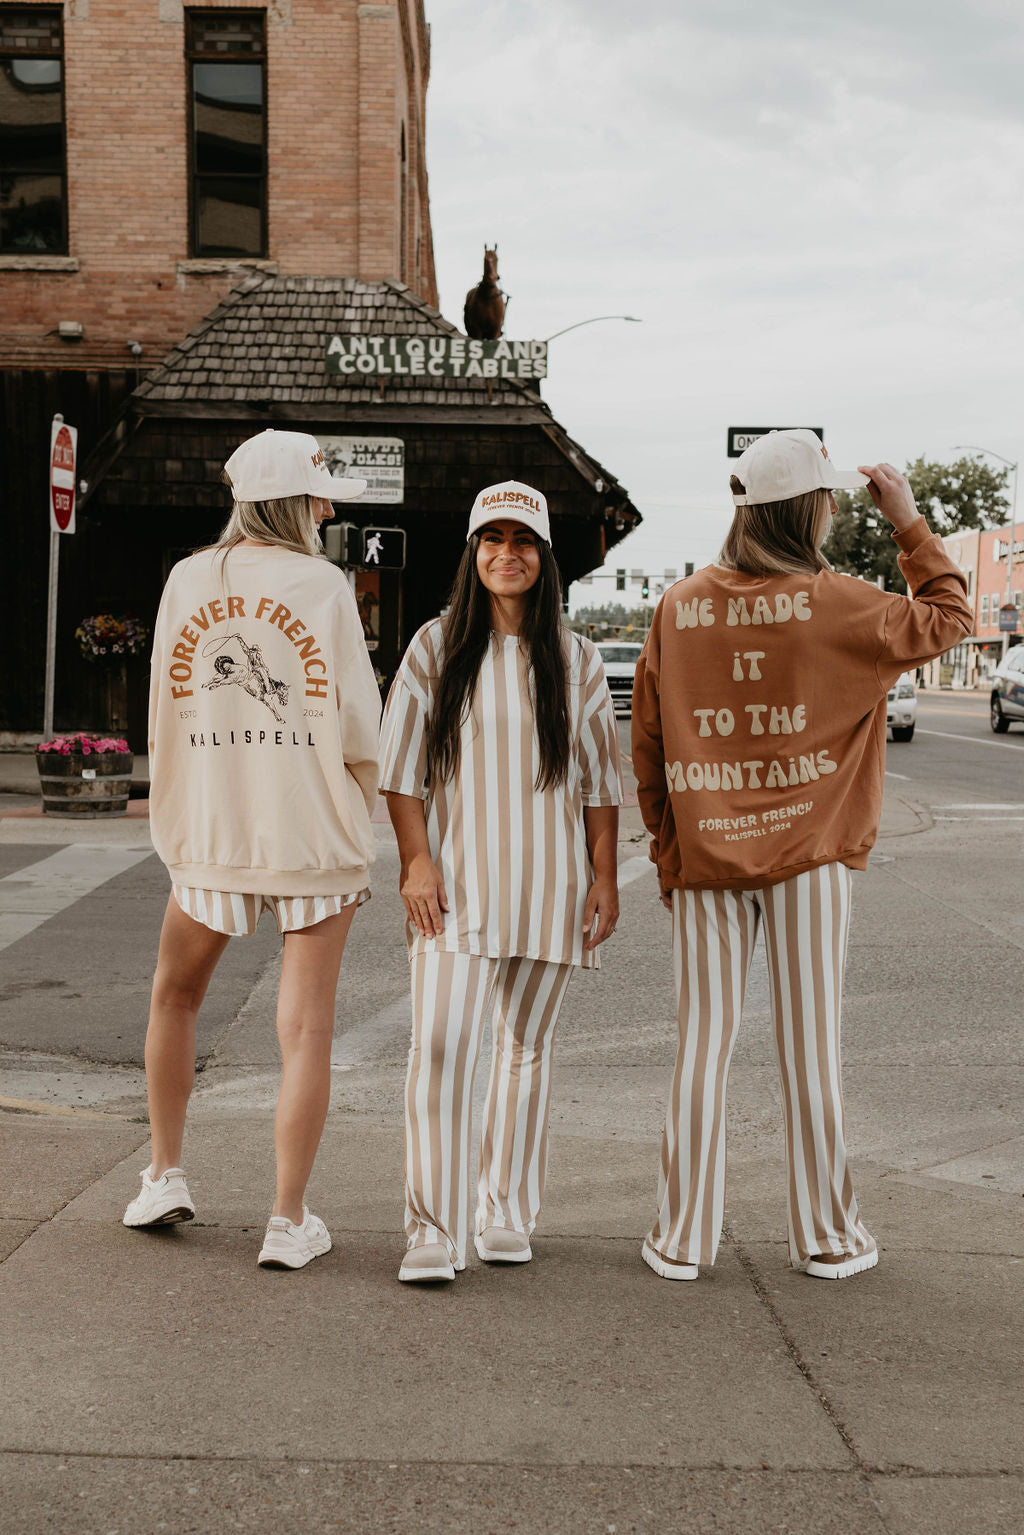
(263, 720)
(759, 713)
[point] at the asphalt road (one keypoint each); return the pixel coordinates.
(955, 755)
(74, 992)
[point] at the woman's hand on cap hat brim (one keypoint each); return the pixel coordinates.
(890, 491)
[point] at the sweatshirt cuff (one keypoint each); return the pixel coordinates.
(913, 537)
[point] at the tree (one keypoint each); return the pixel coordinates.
(964, 494)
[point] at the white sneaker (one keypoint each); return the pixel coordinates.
(431, 1261)
(845, 1269)
(499, 1244)
(287, 1246)
(161, 1201)
(665, 1268)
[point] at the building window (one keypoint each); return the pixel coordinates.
(227, 132)
(995, 607)
(33, 176)
(983, 620)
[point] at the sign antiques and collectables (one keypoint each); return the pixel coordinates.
(380, 461)
(435, 357)
(740, 437)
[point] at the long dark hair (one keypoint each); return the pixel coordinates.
(467, 634)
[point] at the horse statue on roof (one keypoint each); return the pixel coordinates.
(484, 313)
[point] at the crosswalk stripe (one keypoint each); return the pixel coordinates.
(31, 896)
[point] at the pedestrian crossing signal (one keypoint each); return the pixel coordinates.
(383, 549)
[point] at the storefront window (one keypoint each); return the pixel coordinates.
(227, 91)
(33, 182)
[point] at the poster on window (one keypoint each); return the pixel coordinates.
(380, 461)
(368, 603)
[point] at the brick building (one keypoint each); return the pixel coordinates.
(982, 555)
(157, 151)
(192, 198)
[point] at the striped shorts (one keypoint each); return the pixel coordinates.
(238, 915)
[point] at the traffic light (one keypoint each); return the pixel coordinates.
(372, 548)
(645, 588)
(688, 568)
(343, 543)
(383, 549)
(620, 580)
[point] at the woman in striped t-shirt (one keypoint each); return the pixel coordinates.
(500, 764)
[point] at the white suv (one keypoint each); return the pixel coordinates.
(620, 658)
(901, 708)
(1006, 704)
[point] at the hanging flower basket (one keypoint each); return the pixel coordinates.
(84, 776)
(108, 637)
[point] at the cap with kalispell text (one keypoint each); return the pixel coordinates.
(511, 501)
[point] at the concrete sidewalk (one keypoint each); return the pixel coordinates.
(161, 1382)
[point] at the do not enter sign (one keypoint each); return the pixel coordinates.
(63, 451)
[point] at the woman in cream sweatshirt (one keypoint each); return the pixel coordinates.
(263, 759)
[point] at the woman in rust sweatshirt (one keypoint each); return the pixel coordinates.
(759, 716)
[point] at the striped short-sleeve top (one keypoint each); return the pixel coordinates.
(513, 858)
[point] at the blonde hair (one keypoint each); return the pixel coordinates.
(781, 538)
(287, 522)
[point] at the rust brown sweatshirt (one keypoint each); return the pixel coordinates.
(759, 713)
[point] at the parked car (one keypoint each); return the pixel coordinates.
(901, 708)
(1006, 705)
(620, 658)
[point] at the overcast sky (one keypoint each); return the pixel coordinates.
(816, 210)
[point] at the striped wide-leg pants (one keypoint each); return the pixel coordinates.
(451, 995)
(806, 922)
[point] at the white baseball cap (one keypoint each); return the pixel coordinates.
(511, 501)
(782, 465)
(275, 464)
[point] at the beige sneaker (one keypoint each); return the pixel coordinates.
(287, 1246)
(500, 1245)
(431, 1262)
(161, 1201)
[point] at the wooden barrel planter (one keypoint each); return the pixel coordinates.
(84, 787)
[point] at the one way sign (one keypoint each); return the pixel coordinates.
(740, 437)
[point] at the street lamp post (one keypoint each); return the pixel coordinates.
(973, 448)
(632, 318)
